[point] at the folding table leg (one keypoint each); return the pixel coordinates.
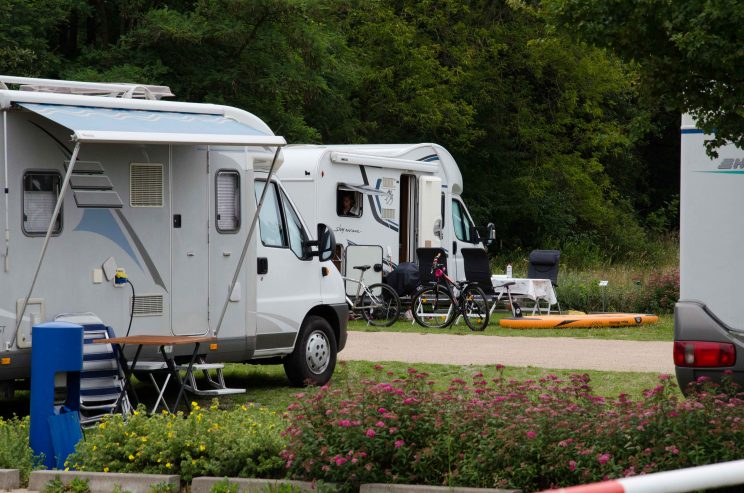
(161, 392)
(182, 388)
(128, 371)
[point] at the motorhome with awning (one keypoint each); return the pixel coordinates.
(106, 180)
(405, 197)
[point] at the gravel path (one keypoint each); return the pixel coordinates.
(542, 352)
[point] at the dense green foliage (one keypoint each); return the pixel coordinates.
(554, 141)
(689, 52)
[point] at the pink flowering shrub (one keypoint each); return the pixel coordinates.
(528, 434)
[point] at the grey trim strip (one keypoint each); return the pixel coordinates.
(275, 340)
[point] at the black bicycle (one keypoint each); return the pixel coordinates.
(443, 301)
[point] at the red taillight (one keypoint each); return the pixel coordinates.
(704, 354)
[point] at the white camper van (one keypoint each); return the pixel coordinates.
(394, 198)
(107, 178)
(709, 317)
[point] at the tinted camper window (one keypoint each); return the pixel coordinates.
(40, 193)
(297, 236)
(460, 221)
(270, 220)
(348, 202)
(228, 201)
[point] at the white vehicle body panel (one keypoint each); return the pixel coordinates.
(399, 179)
(180, 264)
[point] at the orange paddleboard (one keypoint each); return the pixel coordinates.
(579, 321)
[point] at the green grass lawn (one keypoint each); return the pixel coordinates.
(267, 385)
(662, 331)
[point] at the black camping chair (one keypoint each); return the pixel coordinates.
(544, 265)
(426, 259)
(478, 270)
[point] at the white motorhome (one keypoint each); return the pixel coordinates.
(396, 196)
(103, 177)
(709, 317)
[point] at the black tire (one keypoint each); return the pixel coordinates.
(382, 308)
(314, 357)
(475, 308)
(433, 307)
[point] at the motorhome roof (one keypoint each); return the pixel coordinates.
(432, 154)
(223, 117)
(115, 89)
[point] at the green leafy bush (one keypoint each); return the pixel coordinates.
(15, 451)
(530, 435)
(242, 442)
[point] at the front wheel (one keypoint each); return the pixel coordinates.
(475, 308)
(380, 305)
(433, 307)
(314, 357)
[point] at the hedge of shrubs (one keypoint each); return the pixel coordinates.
(529, 435)
(242, 442)
(15, 452)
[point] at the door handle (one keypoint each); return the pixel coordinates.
(454, 248)
(189, 254)
(263, 266)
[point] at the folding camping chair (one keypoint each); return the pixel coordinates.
(478, 269)
(101, 380)
(425, 260)
(543, 264)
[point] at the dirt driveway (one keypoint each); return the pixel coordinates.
(542, 352)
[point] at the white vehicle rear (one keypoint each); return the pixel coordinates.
(709, 317)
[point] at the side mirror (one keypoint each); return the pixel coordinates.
(490, 234)
(326, 243)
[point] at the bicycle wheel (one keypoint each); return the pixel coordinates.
(433, 307)
(380, 305)
(474, 306)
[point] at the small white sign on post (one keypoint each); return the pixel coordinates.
(603, 284)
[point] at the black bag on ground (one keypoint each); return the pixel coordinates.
(404, 279)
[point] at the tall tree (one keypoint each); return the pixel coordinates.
(689, 52)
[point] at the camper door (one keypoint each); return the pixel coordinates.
(429, 212)
(189, 241)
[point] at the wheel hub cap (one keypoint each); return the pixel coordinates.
(317, 353)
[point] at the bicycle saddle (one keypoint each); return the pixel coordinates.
(507, 284)
(362, 267)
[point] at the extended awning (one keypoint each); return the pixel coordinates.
(109, 125)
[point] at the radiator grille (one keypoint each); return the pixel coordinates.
(148, 305)
(388, 213)
(388, 183)
(146, 185)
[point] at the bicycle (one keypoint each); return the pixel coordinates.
(437, 305)
(378, 303)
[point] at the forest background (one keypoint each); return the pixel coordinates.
(563, 138)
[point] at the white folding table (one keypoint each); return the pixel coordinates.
(536, 290)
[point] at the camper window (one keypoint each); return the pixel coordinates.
(348, 202)
(296, 232)
(40, 192)
(460, 221)
(270, 220)
(227, 184)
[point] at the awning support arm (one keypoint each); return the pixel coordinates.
(247, 243)
(55, 214)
